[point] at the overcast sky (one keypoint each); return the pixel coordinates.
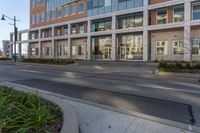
(11, 8)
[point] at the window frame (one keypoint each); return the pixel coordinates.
(159, 10)
(174, 47)
(166, 41)
(177, 7)
(78, 7)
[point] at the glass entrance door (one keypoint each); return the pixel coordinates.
(123, 53)
(107, 53)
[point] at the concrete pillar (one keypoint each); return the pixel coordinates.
(19, 51)
(40, 44)
(19, 46)
(187, 31)
(11, 47)
(53, 48)
(29, 50)
(88, 40)
(11, 51)
(40, 49)
(145, 32)
(69, 46)
(114, 44)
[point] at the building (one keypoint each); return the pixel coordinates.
(123, 30)
(6, 48)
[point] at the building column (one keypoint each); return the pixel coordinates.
(11, 51)
(11, 47)
(145, 31)
(187, 31)
(88, 52)
(53, 48)
(114, 44)
(69, 45)
(19, 51)
(40, 44)
(19, 46)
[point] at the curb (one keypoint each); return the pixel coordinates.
(136, 114)
(188, 76)
(70, 119)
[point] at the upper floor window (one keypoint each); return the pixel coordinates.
(37, 2)
(80, 7)
(42, 17)
(65, 30)
(66, 10)
(53, 14)
(101, 24)
(162, 17)
(73, 9)
(48, 15)
(130, 20)
(196, 11)
(33, 19)
(41, 2)
(81, 28)
(37, 18)
(178, 14)
(59, 12)
(33, 3)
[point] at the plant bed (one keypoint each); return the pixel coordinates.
(3, 59)
(27, 113)
(181, 67)
(49, 61)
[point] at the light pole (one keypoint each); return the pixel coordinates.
(15, 33)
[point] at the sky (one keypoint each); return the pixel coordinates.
(11, 8)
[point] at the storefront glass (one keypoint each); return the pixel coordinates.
(102, 48)
(130, 47)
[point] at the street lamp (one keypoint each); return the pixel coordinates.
(15, 32)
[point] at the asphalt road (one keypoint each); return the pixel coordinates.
(135, 91)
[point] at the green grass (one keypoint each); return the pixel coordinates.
(50, 61)
(26, 112)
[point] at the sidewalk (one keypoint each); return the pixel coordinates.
(97, 120)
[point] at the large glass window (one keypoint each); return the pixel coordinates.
(178, 14)
(33, 19)
(33, 3)
(102, 47)
(37, 18)
(161, 47)
(42, 17)
(66, 10)
(162, 17)
(73, 9)
(81, 28)
(80, 7)
(59, 12)
(47, 51)
(53, 14)
(97, 7)
(101, 25)
(129, 20)
(130, 46)
(178, 47)
(196, 47)
(196, 11)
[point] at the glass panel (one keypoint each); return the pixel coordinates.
(178, 14)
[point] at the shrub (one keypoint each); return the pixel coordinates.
(25, 112)
(50, 61)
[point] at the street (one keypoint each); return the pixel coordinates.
(126, 87)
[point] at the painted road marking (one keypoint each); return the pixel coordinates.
(166, 88)
(30, 71)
